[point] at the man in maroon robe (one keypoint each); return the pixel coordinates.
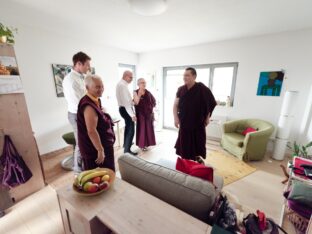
(192, 109)
(144, 104)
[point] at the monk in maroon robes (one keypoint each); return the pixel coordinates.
(95, 128)
(144, 103)
(192, 109)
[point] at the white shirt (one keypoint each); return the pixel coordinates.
(74, 90)
(124, 97)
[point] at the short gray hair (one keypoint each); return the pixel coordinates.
(139, 80)
(89, 79)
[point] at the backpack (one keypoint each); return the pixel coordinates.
(254, 225)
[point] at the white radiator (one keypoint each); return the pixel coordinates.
(214, 128)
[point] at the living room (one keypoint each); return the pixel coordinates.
(246, 42)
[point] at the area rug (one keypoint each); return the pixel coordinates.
(228, 167)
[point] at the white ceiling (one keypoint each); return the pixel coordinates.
(186, 22)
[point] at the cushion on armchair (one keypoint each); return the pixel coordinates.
(235, 139)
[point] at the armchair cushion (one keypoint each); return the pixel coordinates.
(248, 130)
(235, 139)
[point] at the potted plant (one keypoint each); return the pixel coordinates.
(7, 34)
(299, 151)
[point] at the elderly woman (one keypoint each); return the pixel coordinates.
(144, 104)
(95, 128)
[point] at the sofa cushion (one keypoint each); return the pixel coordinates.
(190, 194)
(194, 169)
(235, 139)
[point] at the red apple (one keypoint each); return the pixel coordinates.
(104, 185)
(90, 187)
(96, 180)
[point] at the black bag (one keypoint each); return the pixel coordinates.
(15, 170)
(251, 223)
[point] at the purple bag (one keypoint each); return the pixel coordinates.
(15, 171)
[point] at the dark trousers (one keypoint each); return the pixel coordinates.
(129, 129)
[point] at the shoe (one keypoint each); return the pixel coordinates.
(144, 149)
(200, 160)
(133, 153)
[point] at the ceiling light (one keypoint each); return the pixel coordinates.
(148, 7)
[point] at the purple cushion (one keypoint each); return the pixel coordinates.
(302, 210)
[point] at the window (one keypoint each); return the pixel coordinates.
(220, 78)
(128, 67)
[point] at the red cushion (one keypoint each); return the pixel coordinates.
(195, 169)
(248, 130)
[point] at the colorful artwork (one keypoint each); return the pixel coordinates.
(10, 81)
(59, 72)
(270, 83)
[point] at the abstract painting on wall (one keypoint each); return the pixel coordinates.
(270, 83)
(59, 72)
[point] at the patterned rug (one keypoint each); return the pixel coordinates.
(228, 166)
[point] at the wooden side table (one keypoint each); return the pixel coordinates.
(124, 209)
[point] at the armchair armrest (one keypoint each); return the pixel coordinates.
(230, 126)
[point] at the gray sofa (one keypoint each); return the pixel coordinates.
(190, 194)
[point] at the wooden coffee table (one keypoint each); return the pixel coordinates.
(124, 209)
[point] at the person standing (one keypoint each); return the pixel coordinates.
(74, 90)
(126, 111)
(144, 103)
(192, 109)
(96, 135)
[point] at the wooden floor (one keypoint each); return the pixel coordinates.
(39, 213)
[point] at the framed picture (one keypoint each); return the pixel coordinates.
(270, 83)
(59, 73)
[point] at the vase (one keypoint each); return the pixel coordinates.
(3, 39)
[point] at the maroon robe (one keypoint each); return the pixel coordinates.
(145, 135)
(194, 106)
(106, 132)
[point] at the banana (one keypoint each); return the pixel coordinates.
(92, 175)
(83, 174)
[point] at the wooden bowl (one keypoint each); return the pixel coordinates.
(112, 176)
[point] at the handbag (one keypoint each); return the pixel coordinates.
(15, 170)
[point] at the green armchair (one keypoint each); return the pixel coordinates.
(249, 147)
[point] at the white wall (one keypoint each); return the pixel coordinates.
(291, 51)
(36, 51)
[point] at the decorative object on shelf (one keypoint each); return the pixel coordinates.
(59, 73)
(284, 124)
(10, 81)
(270, 83)
(7, 34)
(94, 182)
(228, 102)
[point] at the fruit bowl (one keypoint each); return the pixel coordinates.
(94, 182)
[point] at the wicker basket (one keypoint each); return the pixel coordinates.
(300, 223)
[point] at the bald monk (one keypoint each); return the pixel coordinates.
(192, 109)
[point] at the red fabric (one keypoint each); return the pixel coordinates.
(262, 220)
(298, 161)
(195, 169)
(248, 130)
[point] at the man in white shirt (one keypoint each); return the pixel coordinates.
(125, 103)
(74, 90)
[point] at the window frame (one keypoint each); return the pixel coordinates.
(211, 75)
(210, 81)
